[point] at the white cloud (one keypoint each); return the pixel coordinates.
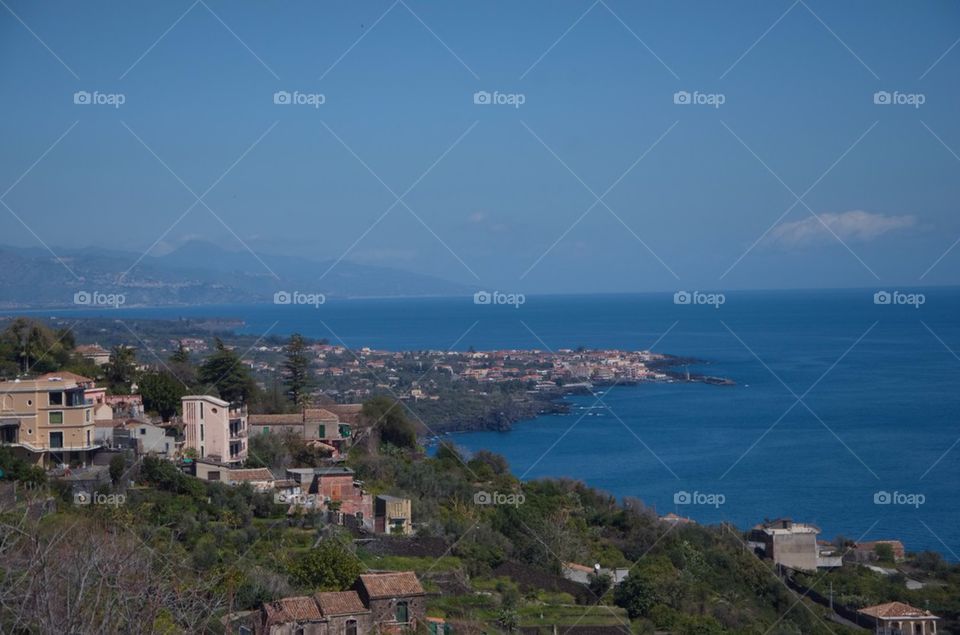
(853, 226)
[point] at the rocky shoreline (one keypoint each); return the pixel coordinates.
(499, 419)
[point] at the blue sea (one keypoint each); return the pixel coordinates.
(845, 413)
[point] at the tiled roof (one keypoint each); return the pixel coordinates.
(251, 474)
(896, 609)
(348, 412)
(296, 609)
(319, 414)
(389, 585)
(340, 603)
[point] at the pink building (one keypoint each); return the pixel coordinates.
(216, 430)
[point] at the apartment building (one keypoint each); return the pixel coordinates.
(215, 429)
(48, 419)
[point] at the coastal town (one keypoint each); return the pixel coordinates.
(369, 546)
(448, 390)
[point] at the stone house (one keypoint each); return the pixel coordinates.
(378, 603)
(397, 601)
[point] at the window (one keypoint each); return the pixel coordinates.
(56, 439)
(201, 432)
(87, 413)
(350, 628)
(322, 431)
(402, 613)
(55, 417)
(56, 398)
(88, 437)
(201, 410)
(143, 431)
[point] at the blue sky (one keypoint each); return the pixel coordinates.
(503, 197)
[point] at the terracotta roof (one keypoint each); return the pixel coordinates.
(389, 585)
(348, 412)
(895, 610)
(578, 567)
(251, 474)
(314, 443)
(319, 414)
(340, 603)
(296, 609)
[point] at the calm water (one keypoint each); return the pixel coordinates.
(879, 420)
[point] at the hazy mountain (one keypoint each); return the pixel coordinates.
(196, 273)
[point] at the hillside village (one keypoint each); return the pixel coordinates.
(332, 519)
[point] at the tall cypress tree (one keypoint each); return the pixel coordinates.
(297, 371)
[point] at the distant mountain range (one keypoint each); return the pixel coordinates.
(196, 273)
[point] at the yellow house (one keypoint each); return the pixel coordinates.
(49, 419)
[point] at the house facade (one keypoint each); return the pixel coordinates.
(48, 420)
(316, 425)
(334, 489)
(898, 618)
(392, 515)
(794, 545)
(215, 429)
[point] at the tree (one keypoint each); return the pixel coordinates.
(28, 345)
(599, 583)
(270, 450)
(390, 420)
(121, 369)
(118, 466)
(297, 373)
(224, 371)
(327, 567)
(181, 355)
(181, 367)
(161, 393)
(884, 552)
(636, 594)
